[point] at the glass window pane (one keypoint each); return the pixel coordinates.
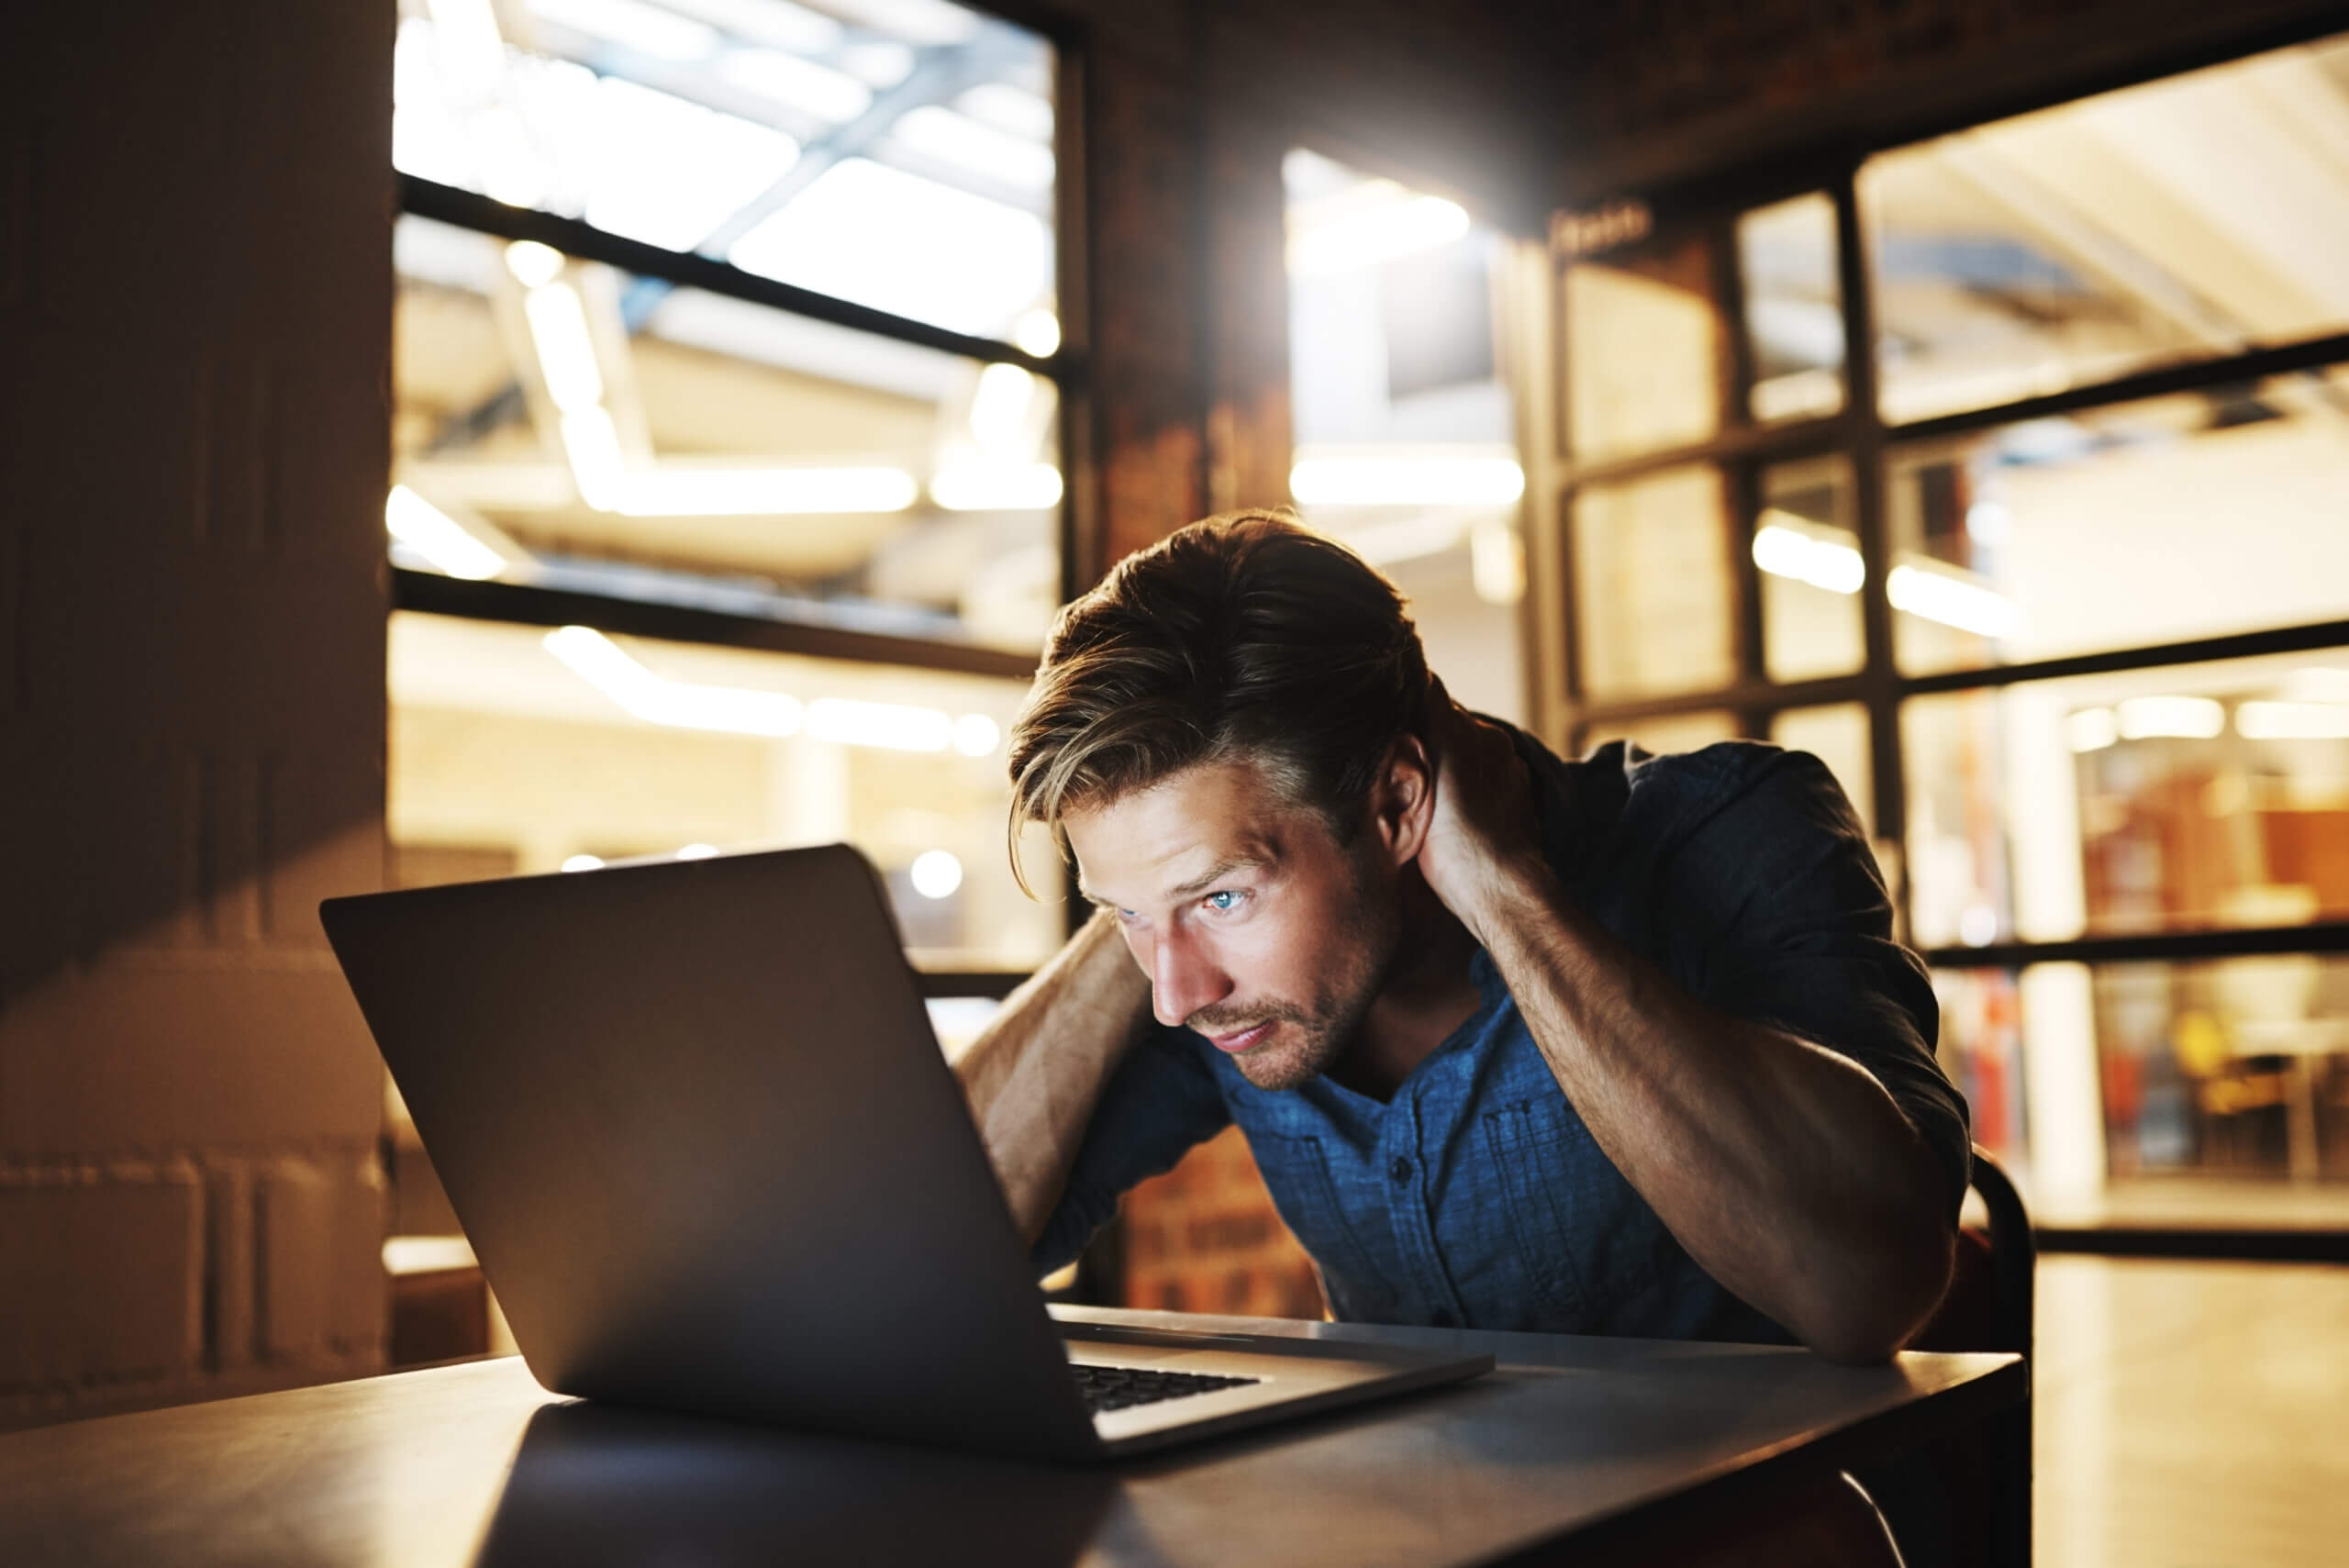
(1806, 544)
(2113, 1087)
(1668, 734)
(2187, 218)
(2193, 796)
(2150, 522)
(1405, 431)
(1643, 350)
(1794, 308)
(561, 422)
(1653, 594)
(839, 155)
(1837, 736)
(514, 750)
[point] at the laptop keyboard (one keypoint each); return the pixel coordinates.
(1120, 1387)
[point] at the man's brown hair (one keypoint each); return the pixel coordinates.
(1243, 635)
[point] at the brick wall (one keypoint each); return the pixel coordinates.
(194, 299)
(1204, 1238)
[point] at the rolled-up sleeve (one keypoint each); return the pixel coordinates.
(1792, 926)
(1161, 1101)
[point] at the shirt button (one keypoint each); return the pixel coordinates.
(1400, 1170)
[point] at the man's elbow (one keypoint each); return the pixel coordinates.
(1886, 1299)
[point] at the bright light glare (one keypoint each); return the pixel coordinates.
(648, 30)
(940, 133)
(975, 735)
(999, 408)
(1012, 110)
(820, 90)
(1038, 333)
(758, 491)
(1938, 596)
(657, 167)
(915, 21)
(2293, 721)
(892, 726)
(1798, 553)
(880, 63)
(2184, 719)
(1377, 221)
(533, 265)
(583, 862)
(2091, 729)
(778, 22)
(997, 487)
(509, 167)
(472, 51)
(936, 874)
(438, 538)
(680, 704)
(1496, 561)
(869, 233)
(1406, 481)
(696, 852)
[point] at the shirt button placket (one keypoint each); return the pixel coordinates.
(1415, 1237)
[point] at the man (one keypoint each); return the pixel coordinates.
(1616, 1046)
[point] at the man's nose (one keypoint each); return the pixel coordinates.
(1184, 979)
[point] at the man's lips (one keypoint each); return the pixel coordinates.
(1241, 1040)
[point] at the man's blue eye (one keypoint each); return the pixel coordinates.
(1224, 901)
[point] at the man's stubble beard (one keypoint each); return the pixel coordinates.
(1320, 1034)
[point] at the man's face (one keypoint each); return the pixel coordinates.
(1255, 926)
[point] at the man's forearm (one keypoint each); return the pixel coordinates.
(1035, 1073)
(1785, 1169)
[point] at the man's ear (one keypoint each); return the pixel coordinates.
(1402, 799)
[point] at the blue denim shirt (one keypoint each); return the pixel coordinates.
(1475, 1197)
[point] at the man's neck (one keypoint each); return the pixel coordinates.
(1427, 993)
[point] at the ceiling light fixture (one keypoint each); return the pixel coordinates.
(438, 538)
(1406, 478)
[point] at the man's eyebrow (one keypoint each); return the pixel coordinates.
(1200, 883)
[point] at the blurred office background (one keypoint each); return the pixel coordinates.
(456, 438)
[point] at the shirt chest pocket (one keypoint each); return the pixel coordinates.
(1542, 1158)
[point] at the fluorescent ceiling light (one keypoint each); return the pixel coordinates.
(1038, 333)
(940, 133)
(778, 24)
(438, 538)
(1376, 221)
(1014, 111)
(1935, 594)
(997, 487)
(648, 30)
(583, 862)
(566, 351)
(936, 874)
(533, 265)
(999, 409)
(592, 448)
(1406, 478)
(2293, 721)
(2091, 729)
(758, 491)
(865, 232)
(879, 64)
(2185, 719)
(1785, 546)
(915, 21)
(696, 852)
(820, 90)
(603, 664)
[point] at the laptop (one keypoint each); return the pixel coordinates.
(695, 1121)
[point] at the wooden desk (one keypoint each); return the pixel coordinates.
(477, 1464)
